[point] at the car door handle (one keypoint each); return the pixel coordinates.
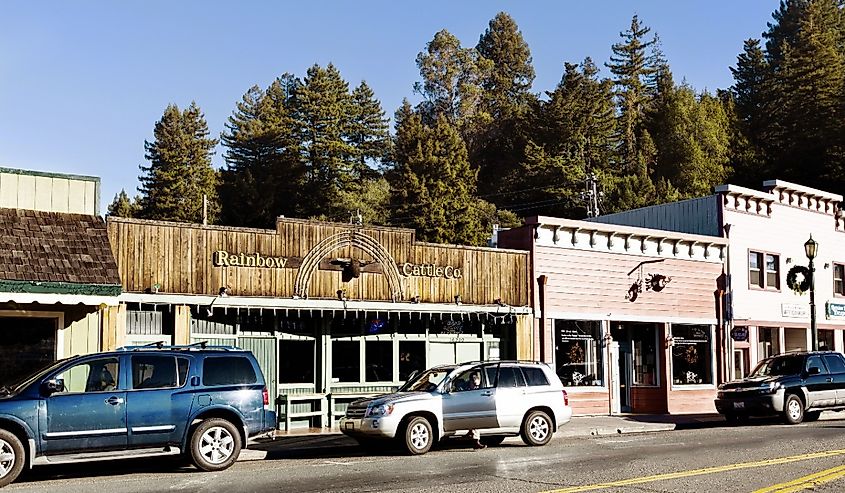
(487, 393)
(114, 400)
(828, 379)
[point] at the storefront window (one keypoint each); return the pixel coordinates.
(795, 339)
(346, 361)
(411, 357)
(769, 342)
(644, 342)
(691, 351)
(296, 361)
(578, 353)
(379, 360)
(825, 340)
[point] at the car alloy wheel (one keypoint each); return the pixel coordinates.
(536, 428)
(215, 444)
(11, 457)
(418, 436)
(793, 409)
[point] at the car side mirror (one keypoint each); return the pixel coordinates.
(814, 370)
(52, 386)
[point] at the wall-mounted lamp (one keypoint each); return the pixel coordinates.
(457, 299)
(827, 265)
(788, 260)
(670, 341)
(499, 302)
(224, 291)
(415, 299)
(341, 295)
(153, 289)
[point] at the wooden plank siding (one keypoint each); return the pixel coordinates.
(592, 282)
(178, 257)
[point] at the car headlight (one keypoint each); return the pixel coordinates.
(381, 410)
(772, 387)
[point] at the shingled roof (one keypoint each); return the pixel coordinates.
(49, 250)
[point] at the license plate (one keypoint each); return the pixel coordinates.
(739, 405)
(348, 426)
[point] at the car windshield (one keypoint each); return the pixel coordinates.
(427, 380)
(784, 365)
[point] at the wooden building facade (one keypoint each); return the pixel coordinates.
(58, 280)
(330, 309)
(628, 316)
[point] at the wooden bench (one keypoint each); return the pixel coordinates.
(320, 412)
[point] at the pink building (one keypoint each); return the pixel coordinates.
(628, 316)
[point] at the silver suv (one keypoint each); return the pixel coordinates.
(512, 398)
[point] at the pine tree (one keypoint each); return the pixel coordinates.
(451, 84)
(263, 167)
(122, 206)
(507, 99)
(180, 171)
(691, 135)
(630, 67)
(323, 109)
(368, 131)
(432, 184)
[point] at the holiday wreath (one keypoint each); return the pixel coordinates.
(792, 279)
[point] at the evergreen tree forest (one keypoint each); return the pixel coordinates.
(475, 144)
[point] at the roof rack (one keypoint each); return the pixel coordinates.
(202, 345)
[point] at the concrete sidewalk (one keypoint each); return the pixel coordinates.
(314, 442)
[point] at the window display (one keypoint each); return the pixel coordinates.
(578, 353)
(644, 342)
(691, 350)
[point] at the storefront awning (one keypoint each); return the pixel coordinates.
(58, 299)
(248, 302)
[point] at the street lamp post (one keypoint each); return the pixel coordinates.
(811, 249)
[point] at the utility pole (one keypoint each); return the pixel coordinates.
(591, 196)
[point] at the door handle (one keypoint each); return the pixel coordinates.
(487, 393)
(829, 379)
(114, 400)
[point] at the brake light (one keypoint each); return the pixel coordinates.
(266, 396)
(565, 398)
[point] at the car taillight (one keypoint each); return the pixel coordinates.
(565, 398)
(266, 396)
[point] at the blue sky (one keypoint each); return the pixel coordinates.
(83, 83)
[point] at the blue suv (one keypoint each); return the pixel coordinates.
(197, 401)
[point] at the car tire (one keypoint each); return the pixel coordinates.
(215, 445)
(418, 436)
(492, 440)
(812, 415)
(12, 457)
(793, 409)
(537, 429)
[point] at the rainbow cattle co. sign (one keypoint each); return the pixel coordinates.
(222, 258)
(430, 270)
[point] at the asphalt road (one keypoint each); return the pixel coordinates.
(760, 457)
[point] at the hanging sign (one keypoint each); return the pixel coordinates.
(739, 334)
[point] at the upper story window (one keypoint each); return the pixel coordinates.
(839, 279)
(764, 270)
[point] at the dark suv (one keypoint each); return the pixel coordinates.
(797, 385)
(203, 402)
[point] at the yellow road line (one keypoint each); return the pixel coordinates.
(805, 482)
(699, 472)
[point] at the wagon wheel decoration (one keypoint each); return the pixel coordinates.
(798, 279)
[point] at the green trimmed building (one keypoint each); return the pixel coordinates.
(59, 283)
